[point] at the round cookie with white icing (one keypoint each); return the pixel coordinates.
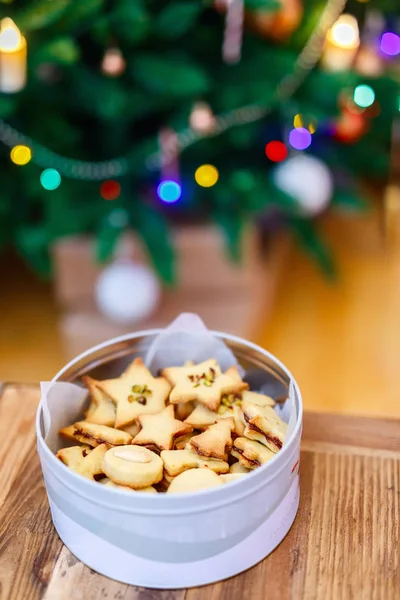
(194, 480)
(133, 466)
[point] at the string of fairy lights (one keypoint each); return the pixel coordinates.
(334, 43)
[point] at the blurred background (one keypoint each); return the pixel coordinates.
(235, 158)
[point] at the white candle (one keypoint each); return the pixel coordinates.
(341, 44)
(12, 57)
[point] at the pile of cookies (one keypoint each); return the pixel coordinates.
(192, 428)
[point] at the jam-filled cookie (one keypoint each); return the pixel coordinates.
(251, 454)
(264, 425)
(94, 435)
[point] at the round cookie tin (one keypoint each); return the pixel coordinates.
(175, 541)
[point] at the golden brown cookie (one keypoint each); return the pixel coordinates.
(257, 398)
(203, 382)
(94, 435)
(228, 477)
(202, 417)
(109, 483)
(177, 461)
(251, 454)
(133, 466)
(133, 429)
(194, 480)
(237, 468)
(216, 441)
(183, 410)
(181, 442)
(264, 425)
(160, 430)
(82, 460)
(68, 433)
(101, 409)
(136, 393)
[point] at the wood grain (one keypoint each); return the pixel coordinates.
(344, 544)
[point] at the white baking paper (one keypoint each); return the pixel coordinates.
(185, 339)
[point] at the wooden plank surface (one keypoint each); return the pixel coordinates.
(344, 544)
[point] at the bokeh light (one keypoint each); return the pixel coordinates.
(344, 33)
(300, 138)
(276, 151)
(301, 121)
(110, 189)
(169, 191)
(10, 35)
(21, 155)
(364, 96)
(50, 179)
(206, 175)
(390, 43)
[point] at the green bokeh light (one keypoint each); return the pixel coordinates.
(50, 179)
(364, 96)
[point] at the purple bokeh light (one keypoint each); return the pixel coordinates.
(300, 138)
(390, 43)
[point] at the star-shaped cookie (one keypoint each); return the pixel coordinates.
(160, 430)
(216, 441)
(102, 408)
(264, 425)
(136, 392)
(203, 382)
(257, 398)
(251, 454)
(177, 461)
(83, 460)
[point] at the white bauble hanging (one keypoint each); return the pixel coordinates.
(127, 293)
(308, 180)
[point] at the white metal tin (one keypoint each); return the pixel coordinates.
(174, 541)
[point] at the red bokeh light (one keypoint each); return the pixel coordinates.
(276, 151)
(110, 190)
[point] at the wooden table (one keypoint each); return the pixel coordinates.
(344, 543)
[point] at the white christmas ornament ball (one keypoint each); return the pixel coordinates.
(127, 293)
(307, 179)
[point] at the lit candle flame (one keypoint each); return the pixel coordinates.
(10, 35)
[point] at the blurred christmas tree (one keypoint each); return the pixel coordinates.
(138, 114)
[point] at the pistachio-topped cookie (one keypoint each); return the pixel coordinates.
(203, 382)
(136, 392)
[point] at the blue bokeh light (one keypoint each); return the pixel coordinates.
(169, 191)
